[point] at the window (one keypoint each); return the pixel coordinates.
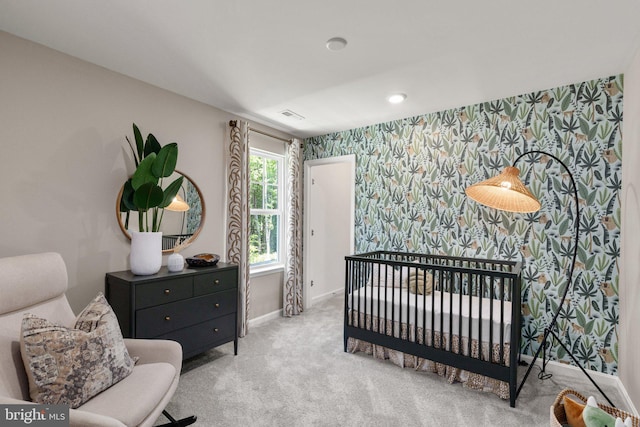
(266, 195)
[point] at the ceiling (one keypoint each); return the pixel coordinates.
(258, 58)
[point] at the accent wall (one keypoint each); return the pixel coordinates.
(410, 180)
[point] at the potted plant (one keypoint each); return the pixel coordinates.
(143, 192)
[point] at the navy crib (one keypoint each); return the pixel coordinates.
(467, 310)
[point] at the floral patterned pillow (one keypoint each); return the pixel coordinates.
(71, 365)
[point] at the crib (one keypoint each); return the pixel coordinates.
(457, 315)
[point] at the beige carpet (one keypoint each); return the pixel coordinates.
(293, 372)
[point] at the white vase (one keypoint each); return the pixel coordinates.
(175, 262)
(146, 252)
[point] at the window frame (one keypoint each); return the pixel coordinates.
(269, 266)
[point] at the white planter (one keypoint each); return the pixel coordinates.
(146, 252)
(175, 262)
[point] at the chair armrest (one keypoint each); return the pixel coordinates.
(76, 418)
(87, 419)
(5, 400)
(153, 351)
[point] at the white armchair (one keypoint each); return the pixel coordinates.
(37, 284)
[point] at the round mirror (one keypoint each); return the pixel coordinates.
(182, 220)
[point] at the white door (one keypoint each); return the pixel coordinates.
(329, 212)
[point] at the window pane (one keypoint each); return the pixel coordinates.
(272, 171)
(263, 241)
(255, 198)
(256, 168)
(272, 197)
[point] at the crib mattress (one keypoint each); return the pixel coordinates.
(480, 315)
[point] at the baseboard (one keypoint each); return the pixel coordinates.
(264, 318)
(599, 377)
(325, 296)
(278, 313)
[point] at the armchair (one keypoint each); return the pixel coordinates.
(37, 284)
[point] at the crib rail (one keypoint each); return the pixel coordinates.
(462, 289)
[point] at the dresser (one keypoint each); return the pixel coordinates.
(196, 307)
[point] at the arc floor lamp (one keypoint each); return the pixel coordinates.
(507, 192)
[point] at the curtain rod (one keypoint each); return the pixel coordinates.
(234, 123)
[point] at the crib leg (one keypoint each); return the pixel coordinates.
(512, 394)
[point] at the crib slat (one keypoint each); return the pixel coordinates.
(491, 295)
(501, 361)
(481, 279)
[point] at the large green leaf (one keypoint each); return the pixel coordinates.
(139, 143)
(171, 191)
(151, 146)
(166, 161)
(148, 196)
(143, 173)
(126, 201)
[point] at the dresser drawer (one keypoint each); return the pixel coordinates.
(162, 319)
(156, 293)
(205, 334)
(214, 282)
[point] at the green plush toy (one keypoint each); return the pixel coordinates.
(594, 416)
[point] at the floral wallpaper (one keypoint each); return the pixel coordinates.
(410, 181)
(194, 214)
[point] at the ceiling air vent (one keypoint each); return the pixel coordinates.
(291, 115)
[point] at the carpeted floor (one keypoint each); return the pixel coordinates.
(293, 372)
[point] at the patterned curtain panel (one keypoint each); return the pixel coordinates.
(292, 304)
(238, 212)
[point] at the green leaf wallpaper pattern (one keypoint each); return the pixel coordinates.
(410, 181)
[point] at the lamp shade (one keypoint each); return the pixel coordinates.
(505, 192)
(178, 205)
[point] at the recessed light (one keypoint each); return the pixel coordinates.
(336, 43)
(397, 98)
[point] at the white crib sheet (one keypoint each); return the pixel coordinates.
(370, 299)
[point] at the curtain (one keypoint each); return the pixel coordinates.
(292, 304)
(238, 213)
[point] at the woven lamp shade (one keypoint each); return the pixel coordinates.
(178, 205)
(505, 192)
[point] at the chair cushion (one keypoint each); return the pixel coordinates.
(132, 399)
(71, 365)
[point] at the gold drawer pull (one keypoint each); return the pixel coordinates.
(216, 282)
(215, 329)
(167, 291)
(217, 305)
(167, 317)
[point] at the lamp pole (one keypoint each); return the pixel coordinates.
(552, 327)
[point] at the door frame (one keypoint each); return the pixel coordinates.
(351, 159)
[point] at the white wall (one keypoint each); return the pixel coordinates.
(629, 290)
(62, 160)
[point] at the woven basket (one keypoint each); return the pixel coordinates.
(558, 417)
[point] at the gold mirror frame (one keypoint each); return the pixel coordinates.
(195, 233)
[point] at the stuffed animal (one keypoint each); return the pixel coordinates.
(573, 411)
(594, 416)
(627, 422)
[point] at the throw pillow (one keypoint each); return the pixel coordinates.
(71, 365)
(419, 282)
(573, 411)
